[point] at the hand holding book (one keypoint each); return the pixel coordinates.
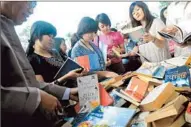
(147, 37)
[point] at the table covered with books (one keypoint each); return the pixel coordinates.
(155, 95)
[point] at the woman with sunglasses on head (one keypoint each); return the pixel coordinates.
(86, 31)
(155, 48)
(113, 40)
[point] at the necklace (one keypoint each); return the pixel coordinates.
(88, 47)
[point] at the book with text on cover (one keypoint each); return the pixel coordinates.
(180, 37)
(88, 90)
(179, 76)
(68, 66)
(107, 116)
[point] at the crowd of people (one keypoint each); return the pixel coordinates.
(28, 87)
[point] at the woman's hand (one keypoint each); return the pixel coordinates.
(170, 29)
(74, 74)
(108, 63)
(147, 37)
(110, 74)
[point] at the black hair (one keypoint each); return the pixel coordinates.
(148, 16)
(162, 17)
(103, 18)
(86, 25)
(74, 39)
(113, 29)
(57, 42)
(38, 29)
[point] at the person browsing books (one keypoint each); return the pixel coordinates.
(113, 40)
(44, 59)
(86, 31)
(155, 48)
(182, 19)
(23, 99)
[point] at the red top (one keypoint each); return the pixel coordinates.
(112, 39)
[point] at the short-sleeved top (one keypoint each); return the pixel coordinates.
(150, 50)
(80, 50)
(47, 67)
(111, 39)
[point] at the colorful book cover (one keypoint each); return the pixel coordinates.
(159, 72)
(105, 98)
(117, 100)
(136, 89)
(89, 62)
(88, 91)
(179, 76)
(107, 117)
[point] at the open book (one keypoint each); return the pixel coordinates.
(180, 37)
(135, 34)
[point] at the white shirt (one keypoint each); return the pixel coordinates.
(150, 50)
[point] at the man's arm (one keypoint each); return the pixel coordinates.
(19, 99)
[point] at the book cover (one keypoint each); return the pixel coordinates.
(89, 62)
(117, 100)
(188, 62)
(68, 66)
(88, 90)
(139, 120)
(135, 34)
(179, 37)
(136, 89)
(103, 47)
(179, 76)
(107, 117)
(159, 72)
(105, 98)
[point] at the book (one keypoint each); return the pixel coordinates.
(103, 47)
(67, 66)
(180, 37)
(117, 100)
(119, 92)
(135, 34)
(157, 97)
(136, 89)
(188, 62)
(89, 62)
(172, 108)
(88, 91)
(107, 116)
(149, 80)
(179, 76)
(139, 120)
(105, 98)
(188, 113)
(155, 70)
(167, 122)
